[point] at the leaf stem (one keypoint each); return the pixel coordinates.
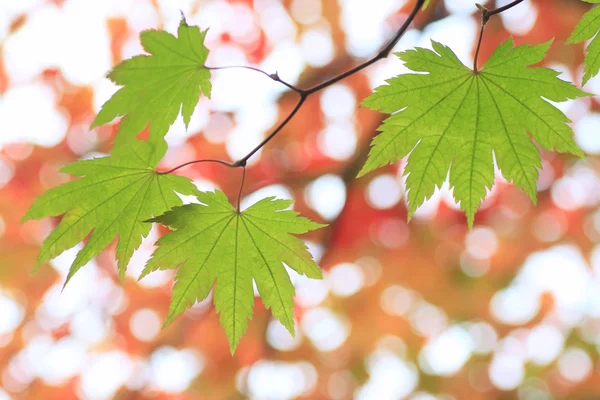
(274, 76)
(485, 17)
(475, 68)
(225, 163)
(239, 199)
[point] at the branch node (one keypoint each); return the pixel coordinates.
(485, 13)
(240, 163)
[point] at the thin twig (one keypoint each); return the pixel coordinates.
(502, 9)
(225, 163)
(242, 161)
(383, 53)
(274, 76)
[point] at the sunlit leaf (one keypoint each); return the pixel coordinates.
(451, 119)
(158, 86)
(115, 196)
(586, 29)
(212, 241)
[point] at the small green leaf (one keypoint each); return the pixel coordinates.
(158, 86)
(212, 241)
(587, 28)
(114, 197)
(452, 119)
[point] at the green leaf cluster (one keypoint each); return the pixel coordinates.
(450, 121)
(120, 195)
(113, 198)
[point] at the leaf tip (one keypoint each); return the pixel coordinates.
(95, 123)
(183, 21)
(26, 217)
(291, 329)
(571, 39)
(167, 322)
(122, 271)
(411, 209)
(470, 219)
(366, 103)
(548, 43)
(67, 280)
(233, 344)
(320, 226)
(533, 198)
(363, 171)
(147, 269)
(318, 274)
(36, 267)
(409, 216)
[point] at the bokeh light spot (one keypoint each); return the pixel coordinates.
(384, 191)
(145, 324)
(575, 364)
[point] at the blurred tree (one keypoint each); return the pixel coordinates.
(426, 309)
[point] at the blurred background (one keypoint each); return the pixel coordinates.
(429, 310)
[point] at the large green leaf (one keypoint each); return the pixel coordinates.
(114, 197)
(450, 118)
(586, 29)
(212, 241)
(158, 86)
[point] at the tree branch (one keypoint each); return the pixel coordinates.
(242, 161)
(502, 9)
(305, 93)
(383, 53)
(274, 76)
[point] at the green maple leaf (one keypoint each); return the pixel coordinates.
(157, 86)
(114, 197)
(587, 28)
(452, 118)
(213, 241)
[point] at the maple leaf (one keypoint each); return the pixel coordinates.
(114, 197)
(157, 86)
(213, 241)
(452, 118)
(587, 28)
